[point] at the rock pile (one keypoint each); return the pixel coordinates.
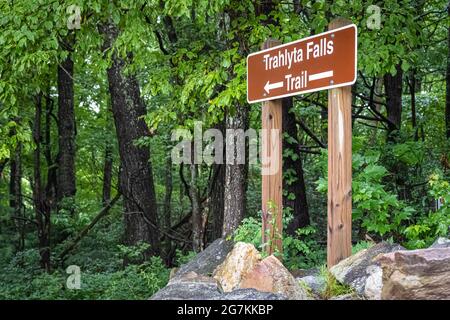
(228, 271)
(390, 272)
(243, 275)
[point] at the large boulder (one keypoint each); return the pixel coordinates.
(347, 296)
(441, 243)
(193, 281)
(316, 283)
(189, 286)
(416, 274)
(300, 273)
(192, 286)
(374, 283)
(239, 261)
(361, 272)
(250, 294)
(205, 262)
(270, 275)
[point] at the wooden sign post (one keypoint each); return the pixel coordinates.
(272, 189)
(326, 61)
(339, 240)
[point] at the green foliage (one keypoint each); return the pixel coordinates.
(135, 253)
(299, 251)
(410, 153)
(361, 245)
(302, 251)
(183, 258)
(249, 231)
(435, 224)
(21, 281)
(376, 209)
(333, 287)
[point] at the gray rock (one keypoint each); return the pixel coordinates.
(300, 273)
(206, 261)
(250, 294)
(348, 296)
(187, 291)
(441, 243)
(374, 283)
(316, 283)
(189, 286)
(358, 268)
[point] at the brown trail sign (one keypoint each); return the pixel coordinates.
(324, 61)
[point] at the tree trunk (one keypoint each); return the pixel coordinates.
(216, 203)
(393, 86)
(3, 164)
(51, 186)
(197, 219)
(447, 79)
(412, 90)
(294, 187)
(66, 133)
(40, 206)
(107, 175)
(235, 177)
(15, 193)
(167, 210)
(136, 177)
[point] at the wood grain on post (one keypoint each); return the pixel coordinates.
(272, 197)
(339, 243)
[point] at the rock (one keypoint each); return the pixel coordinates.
(300, 273)
(189, 286)
(250, 294)
(416, 274)
(270, 275)
(192, 286)
(237, 263)
(441, 243)
(316, 283)
(348, 296)
(358, 268)
(193, 277)
(206, 261)
(374, 283)
(173, 272)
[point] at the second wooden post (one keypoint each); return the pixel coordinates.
(339, 243)
(272, 191)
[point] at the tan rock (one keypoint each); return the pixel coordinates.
(270, 275)
(416, 274)
(238, 262)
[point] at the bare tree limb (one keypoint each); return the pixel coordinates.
(103, 212)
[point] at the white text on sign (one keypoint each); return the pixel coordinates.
(288, 58)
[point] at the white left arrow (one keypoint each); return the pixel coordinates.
(269, 86)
